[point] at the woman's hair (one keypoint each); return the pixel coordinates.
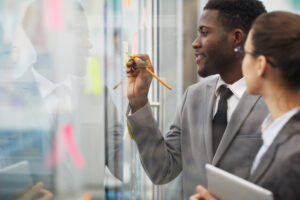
(276, 35)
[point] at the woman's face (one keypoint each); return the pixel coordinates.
(248, 67)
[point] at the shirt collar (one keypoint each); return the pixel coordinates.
(45, 86)
(271, 129)
(238, 88)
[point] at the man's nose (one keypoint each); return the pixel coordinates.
(197, 43)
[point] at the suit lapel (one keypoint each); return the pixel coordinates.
(286, 133)
(210, 98)
(238, 117)
(265, 163)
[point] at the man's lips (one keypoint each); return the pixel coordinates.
(199, 57)
(197, 54)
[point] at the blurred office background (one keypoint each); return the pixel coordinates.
(63, 92)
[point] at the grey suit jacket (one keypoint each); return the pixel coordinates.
(187, 146)
(279, 169)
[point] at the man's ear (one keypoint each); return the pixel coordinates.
(262, 66)
(238, 37)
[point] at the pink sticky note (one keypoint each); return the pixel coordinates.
(144, 21)
(134, 43)
(57, 152)
(71, 147)
(54, 157)
(53, 14)
(66, 142)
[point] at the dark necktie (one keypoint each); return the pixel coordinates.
(219, 122)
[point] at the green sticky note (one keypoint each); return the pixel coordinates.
(93, 84)
(295, 4)
(116, 5)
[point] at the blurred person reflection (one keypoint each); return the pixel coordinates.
(15, 180)
(54, 93)
(271, 67)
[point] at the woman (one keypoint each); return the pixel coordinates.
(271, 68)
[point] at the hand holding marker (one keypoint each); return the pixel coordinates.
(141, 64)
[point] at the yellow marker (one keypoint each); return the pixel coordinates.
(93, 84)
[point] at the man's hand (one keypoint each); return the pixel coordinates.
(139, 81)
(202, 194)
(36, 192)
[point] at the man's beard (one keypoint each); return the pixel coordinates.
(219, 64)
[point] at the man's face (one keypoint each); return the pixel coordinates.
(212, 51)
(71, 58)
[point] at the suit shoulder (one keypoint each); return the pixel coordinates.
(210, 80)
(291, 148)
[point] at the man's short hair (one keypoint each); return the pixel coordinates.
(236, 13)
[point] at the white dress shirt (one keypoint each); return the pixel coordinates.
(238, 88)
(46, 88)
(269, 132)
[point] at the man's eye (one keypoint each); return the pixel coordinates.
(203, 33)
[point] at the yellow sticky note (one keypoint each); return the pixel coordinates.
(125, 52)
(126, 3)
(93, 82)
(129, 131)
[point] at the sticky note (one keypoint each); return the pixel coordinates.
(53, 14)
(87, 196)
(64, 143)
(144, 21)
(295, 4)
(125, 53)
(93, 81)
(126, 3)
(57, 152)
(129, 130)
(54, 157)
(134, 43)
(116, 5)
(71, 147)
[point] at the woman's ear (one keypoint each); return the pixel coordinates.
(262, 66)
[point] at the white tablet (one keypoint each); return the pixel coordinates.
(226, 186)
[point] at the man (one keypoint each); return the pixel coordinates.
(210, 126)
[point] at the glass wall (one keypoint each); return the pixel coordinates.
(63, 129)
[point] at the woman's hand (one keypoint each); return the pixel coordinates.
(202, 194)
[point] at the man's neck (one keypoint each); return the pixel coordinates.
(232, 75)
(48, 73)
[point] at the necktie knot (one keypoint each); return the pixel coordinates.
(225, 93)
